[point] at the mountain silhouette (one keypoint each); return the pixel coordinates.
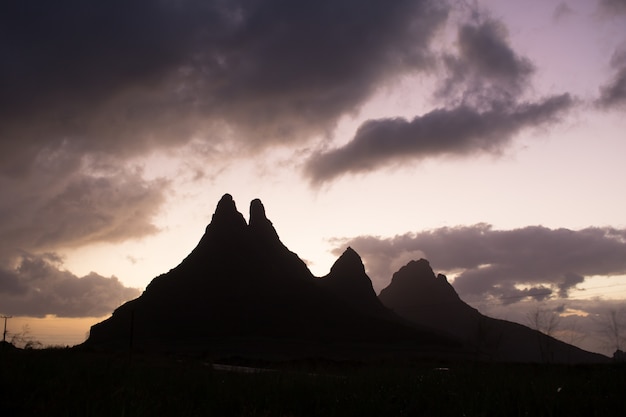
(241, 291)
(416, 294)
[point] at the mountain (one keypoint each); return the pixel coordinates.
(416, 294)
(241, 291)
(348, 282)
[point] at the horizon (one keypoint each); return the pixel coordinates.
(486, 138)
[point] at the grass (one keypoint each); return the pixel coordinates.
(69, 383)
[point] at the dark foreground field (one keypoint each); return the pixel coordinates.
(71, 383)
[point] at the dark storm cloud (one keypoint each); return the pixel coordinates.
(542, 262)
(459, 131)
(483, 111)
(37, 287)
(119, 77)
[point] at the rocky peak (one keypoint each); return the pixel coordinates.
(349, 266)
(420, 267)
(348, 281)
(261, 228)
(418, 274)
(226, 214)
(417, 281)
(224, 237)
(257, 213)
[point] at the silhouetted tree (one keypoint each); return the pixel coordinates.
(543, 320)
(24, 340)
(571, 333)
(546, 322)
(612, 329)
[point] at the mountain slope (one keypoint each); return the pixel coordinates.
(416, 294)
(241, 291)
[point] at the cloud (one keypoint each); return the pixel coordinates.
(459, 131)
(65, 202)
(38, 287)
(613, 94)
(123, 77)
(509, 274)
(612, 7)
(62, 205)
(481, 90)
(562, 11)
(485, 69)
(509, 265)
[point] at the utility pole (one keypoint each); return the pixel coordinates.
(4, 335)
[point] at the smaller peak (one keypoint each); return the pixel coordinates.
(349, 259)
(348, 280)
(261, 227)
(351, 252)
(257, 212)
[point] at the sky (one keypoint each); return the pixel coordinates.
(486, 136)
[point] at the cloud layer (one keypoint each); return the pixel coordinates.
(123, 77)
(37, 287)
(508, 265)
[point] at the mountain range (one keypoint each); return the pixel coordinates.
(242, 292)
